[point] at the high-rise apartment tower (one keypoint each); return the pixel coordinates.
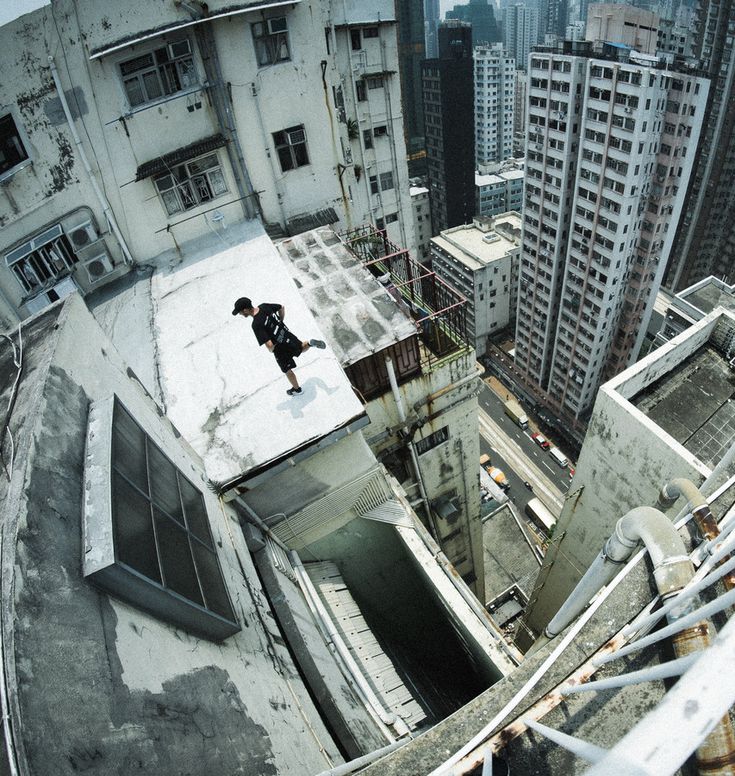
(494, 104)
(607, 167)
(450, 127)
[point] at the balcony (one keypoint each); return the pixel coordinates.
(437, 309)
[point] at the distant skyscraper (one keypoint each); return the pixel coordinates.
(450, 128)
(411, 52)
(704, 243)
(606, 172)
(494, 104)
(431, 28)
(556, 18)
(481, 15)
(520, 32)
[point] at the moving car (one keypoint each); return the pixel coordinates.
(541, 441)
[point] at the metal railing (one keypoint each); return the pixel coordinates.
(437, 309)
(663, 739)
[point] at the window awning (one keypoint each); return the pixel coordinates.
(163, 163)
(131, 40)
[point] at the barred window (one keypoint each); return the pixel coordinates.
(188, 185)
(13, 151)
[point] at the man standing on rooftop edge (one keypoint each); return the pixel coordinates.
(271, 331)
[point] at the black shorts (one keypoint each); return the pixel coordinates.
(286, 351)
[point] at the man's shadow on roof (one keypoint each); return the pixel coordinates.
(309, 389)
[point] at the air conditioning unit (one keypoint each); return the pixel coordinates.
(98, 267)
(81, 230)
(179, 48)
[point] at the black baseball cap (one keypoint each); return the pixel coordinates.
(243, 303)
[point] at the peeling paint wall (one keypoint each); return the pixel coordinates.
(262, 100)
(96, 684)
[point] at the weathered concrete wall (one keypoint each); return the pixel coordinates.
(450, 468)
(96, 684)
(625, 460)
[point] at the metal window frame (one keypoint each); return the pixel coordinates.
(101, 563)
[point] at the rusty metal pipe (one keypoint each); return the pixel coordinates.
(701, 513)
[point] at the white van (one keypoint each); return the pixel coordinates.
(559, 457)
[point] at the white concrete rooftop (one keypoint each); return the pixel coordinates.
(224, 393)
(358, 314)
(467, 243)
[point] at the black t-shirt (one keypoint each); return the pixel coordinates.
(267, 325)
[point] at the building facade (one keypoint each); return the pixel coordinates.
(495, 77)
(619, 23)
(499, 193)
(606, 170)
(432, 15)
(477, 259)
(450, 133)
(142, 142)
(422, 221)
(411, 51)
(704, 245)
(520, 32)
(481, 15)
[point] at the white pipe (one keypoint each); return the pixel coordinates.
(672, 568)
(386, 716)
(104, 204)
(680, 486)
(366, 759)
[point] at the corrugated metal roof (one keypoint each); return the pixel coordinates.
(164, 163)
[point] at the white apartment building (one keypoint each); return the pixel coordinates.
(606, 173)
(494, 104)
(477, 259)
(520, 32)
(499, 193)
(139, 129)
(421, 220)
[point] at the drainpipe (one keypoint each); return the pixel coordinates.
(672, 570)
(700, 512)
(104, 204)
(412, 449)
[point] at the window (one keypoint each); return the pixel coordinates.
(42, 261)
(374, 184)
(361, 91)
(370, 32)
(374, 82)
(355, 40)
(157, 552)
(159, 73)
(386, 180)
(432, 441)
(12, 148)
(188, 185)
(291, 147)
(367, 138)
(271, 41)
(391, 218)
(380, 131)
